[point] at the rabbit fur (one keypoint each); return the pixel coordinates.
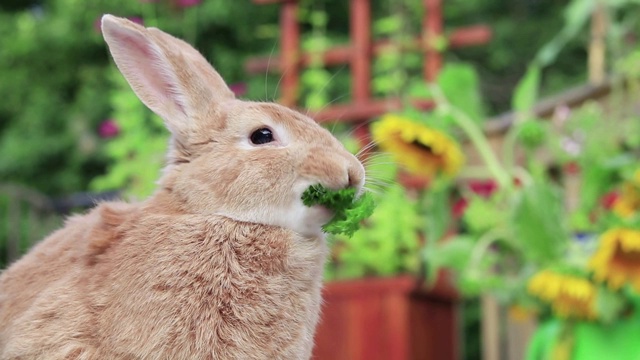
(223, 261)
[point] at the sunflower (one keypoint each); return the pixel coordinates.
(569, 296)
(628, 203)
(617, 260)
(423, 150)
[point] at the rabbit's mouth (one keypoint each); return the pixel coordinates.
(324, 211)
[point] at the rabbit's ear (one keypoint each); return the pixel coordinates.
(166, 73)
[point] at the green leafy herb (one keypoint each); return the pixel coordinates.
(348, 211)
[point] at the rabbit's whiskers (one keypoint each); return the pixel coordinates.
(266, 73)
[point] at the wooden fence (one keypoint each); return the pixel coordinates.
(27, 216)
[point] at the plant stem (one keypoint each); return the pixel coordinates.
(472, 130)
(484, 243)
(509, 146)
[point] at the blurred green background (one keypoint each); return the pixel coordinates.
(57, 79)
(70, 125)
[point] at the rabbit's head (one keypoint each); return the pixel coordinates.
(250, 161)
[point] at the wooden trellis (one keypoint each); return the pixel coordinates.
(359, 55)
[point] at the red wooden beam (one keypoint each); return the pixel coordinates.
(365, 110)
(290, 41)
(431, 32)
(361, 52)
(469, 36)
(462, 37)
(356, 113)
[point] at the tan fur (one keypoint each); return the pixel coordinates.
(222, 262)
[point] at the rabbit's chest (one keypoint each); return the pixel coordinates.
(231, 297)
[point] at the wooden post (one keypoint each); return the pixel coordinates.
(361, 50)
(431, 33)
(290, 43)
(361, 60)
(520, 330)
(597, 46)
(490, 328)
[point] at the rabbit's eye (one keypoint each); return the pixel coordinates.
(262, 136)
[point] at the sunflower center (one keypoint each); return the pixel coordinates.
(631, 195)
(626, 258)
(568, 305)
(422, 146)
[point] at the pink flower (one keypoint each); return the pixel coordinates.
(108, 129)
(572, 168)
(483, 188)
(609, 199)
(136, 19)
(459, 207)
(561, 114)
(187, 3)
(238, 89)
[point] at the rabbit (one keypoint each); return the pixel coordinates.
(223, 261)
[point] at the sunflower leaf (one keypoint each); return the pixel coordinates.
(482, 215)
(595, 341)
(539, 234)
(460, 86)
(526, 92)
(609, 305)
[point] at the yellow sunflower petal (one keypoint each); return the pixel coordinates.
(421, 149)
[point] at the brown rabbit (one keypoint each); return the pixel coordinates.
(222, 262)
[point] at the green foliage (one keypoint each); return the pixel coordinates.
(589, 341)
(531, 133)
(386, 245)
(596, 147)
(435, 210)
(610, 305)
(466, 256)
(482, 215)
(525, 94)
(389, 69)
(315, 80)
(454, 254)
(513, 230)
(57, 81)
(348, 211)
(576, 15)
(52, 89)
(138, 152)
(530, 225)
(515, 41)
(57, 72)
(460, 84)
(537, 223)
